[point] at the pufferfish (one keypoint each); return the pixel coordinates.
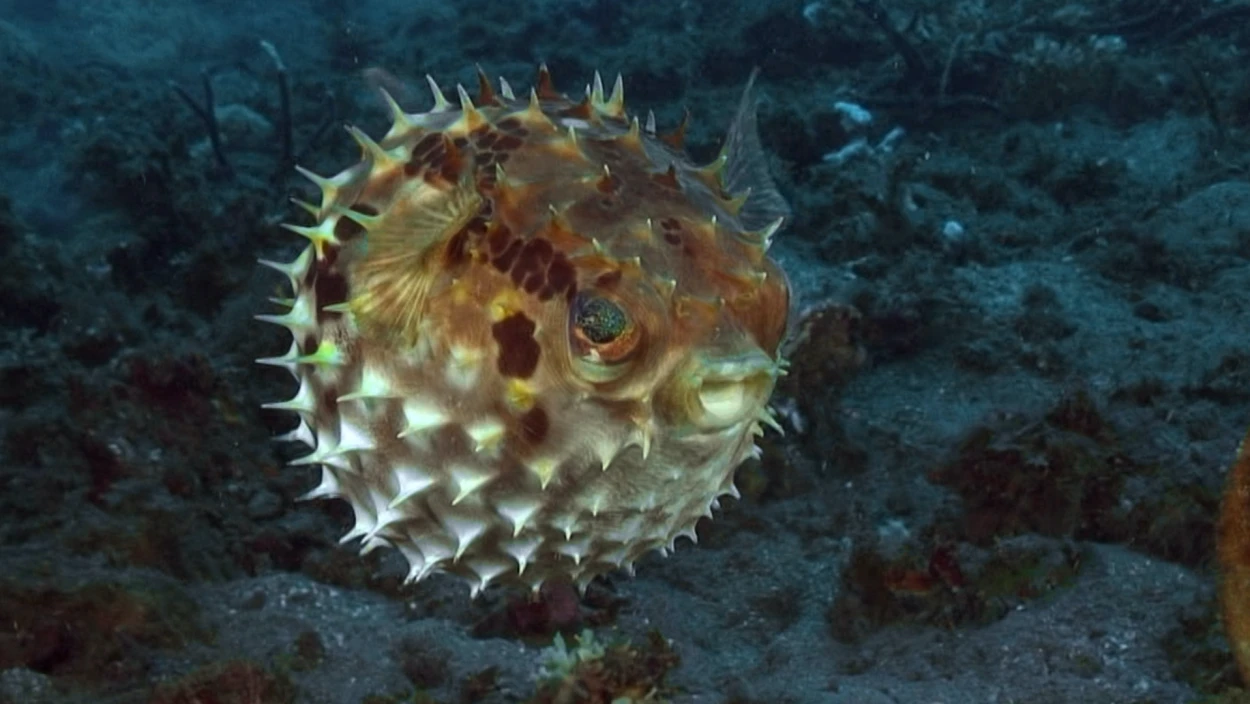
(533, 341)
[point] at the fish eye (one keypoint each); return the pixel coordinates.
(602, 330)
(600, 320)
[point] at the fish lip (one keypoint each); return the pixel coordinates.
(730, 390)
(738, 367)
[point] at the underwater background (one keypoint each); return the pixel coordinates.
(1020, 369)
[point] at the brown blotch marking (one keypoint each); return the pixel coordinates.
(326, 264)
(533, 261)
(533, 282)
(457, 251)
(308, 345)
(446, 162)
(347, 229)
(535, 425)
(534, 266)
(508, 143)
(431, 165)
(498, 239)
(461, 246)
(426, 145)
(421, 152)
(609, 280)
(331, 287)
(485, 141)
(672, 230)
(330, 396)
(508, 257)
(451, 170)
(486, 179)
(560, 276)
(510, 124)
(518, 350)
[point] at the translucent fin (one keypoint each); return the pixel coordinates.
(747, 167)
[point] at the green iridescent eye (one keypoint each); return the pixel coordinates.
(604, 335)
(600, 321)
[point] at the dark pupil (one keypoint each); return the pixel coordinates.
(601, 320)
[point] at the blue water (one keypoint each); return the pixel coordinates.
(1018, 247)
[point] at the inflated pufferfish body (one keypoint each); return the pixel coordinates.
(531, 339)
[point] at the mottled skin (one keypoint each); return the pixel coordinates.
(532, 340)
(1233, 536)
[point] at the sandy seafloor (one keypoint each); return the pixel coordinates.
(1008, 498)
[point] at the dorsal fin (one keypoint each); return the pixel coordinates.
(747, 167)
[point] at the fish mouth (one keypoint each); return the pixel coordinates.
(732, 389)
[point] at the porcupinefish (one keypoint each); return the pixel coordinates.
(532, 339)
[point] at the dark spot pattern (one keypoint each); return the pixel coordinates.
(461, 245)
(561, 278)
(509, 143)
(421, 152)
(457, 251)
(608, 280)
(534, 266)
(535, 425)
(671, 227)
(513, 126)
(505, 259)
(497, 240)
(330, 284)
(347, 229)
(332, 288)
(518, 350)
(486, 180)
(450, 166)
(329, 396)
(436, 157)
